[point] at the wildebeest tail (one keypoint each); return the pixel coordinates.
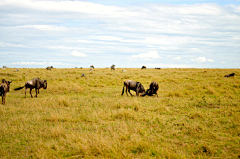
(19, 88)
(123, 90)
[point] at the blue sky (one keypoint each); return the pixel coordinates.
(129, 34)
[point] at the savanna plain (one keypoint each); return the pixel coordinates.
(196, 114)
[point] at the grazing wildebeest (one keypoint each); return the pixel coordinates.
(153, 88)
(4, 66)
(230, 75)
(91, 66)
(143, 67)
(49, 67)
(4, 88)
(113, 67)
(34, 83)
(158, 68)
(135, 86)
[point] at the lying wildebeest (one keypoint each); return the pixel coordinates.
(113, 67)
(34, 83)
(135, 86)
(49, 67)
(153, 88)
(4, 88)
(143, 67)
(230, 75)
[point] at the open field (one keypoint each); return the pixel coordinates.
(197, 115)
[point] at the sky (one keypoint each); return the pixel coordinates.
(127, 33)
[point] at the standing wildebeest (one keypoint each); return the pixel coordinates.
(4, 88)
(34, 83)
(49, 67)
(230, 75)
(135, 86)
(91, 66)
(4, 66)
(113, 67)
(143, 67)
(153, 88)
(158, 68)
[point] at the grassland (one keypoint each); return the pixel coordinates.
(197, 115)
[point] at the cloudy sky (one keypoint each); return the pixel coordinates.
(127, 33)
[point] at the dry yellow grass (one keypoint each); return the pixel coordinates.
(196, 115)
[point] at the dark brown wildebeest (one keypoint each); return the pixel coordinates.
(4, 66)
(135, 86)
(230, 75)
(143, 67)
(91, 66)
(4, 88)
(158, 68)
(49, 67)
(153, 88)
(113, 67)
(34, 83)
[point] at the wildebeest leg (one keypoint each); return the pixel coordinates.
(127, 90)
(31, 92)
(123, 90)
(3, 98)
(36, 92)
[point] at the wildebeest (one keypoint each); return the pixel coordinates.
(4, 88)
(230, 75)
(83, 75)
(91, 66)
(135, 86)
(49, 67)
(4, 66)
(158, 68)
(113, 67)
(34, 83)
(153, 88)
(143, 67)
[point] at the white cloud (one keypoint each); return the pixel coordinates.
(199, 59)
(210, 60)
(202, 59)
(78, 54)
(223, 62)
(147, 56)
(38, 63)
(177, 58)
(44, 27)
(169, 65)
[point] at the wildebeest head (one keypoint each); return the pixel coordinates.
(140, 88)
(45, 84)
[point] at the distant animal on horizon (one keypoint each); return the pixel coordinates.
(4, 66)
(36, 83)
(16, 70)
(49, 67)
(91, 66)
(153, 88)
(4, 88)
(124, 70)
(158, 68)
(143, 67)
(135, 86)
(230, 75)
(113, 67)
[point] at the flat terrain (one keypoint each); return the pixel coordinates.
(197, 115)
